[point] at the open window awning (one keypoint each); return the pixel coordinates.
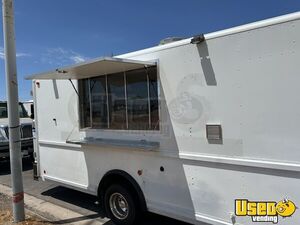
(97, 67)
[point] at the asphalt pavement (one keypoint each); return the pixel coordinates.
(73, 200)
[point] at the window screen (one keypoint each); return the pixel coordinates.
(84, 103)
(116, 101)
(153, 94)
(137, 100)
(99, 102)
(120, 101)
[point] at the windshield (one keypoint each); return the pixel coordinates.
(4, 112)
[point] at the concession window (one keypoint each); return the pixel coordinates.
(93, 69)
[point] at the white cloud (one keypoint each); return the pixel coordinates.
(77, 59)
(60, 56)
(19, 54)
(1, 53)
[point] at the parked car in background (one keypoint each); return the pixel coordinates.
(25, 129)
(28, 105)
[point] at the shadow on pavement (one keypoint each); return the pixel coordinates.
(74, 197)
(77, 219)
(149, 219)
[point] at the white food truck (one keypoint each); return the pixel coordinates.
(205, 129)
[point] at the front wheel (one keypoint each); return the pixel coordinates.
(121, 206)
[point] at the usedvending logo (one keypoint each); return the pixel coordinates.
(264, 211)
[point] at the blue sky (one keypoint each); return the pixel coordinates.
(52, 33)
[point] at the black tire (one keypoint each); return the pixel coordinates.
(132, 215)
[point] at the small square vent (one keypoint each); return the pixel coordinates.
(213, 132)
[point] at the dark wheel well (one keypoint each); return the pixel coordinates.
(125, 180)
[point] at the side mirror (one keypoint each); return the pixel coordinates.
(31, 111)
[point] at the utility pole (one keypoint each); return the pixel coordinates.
(13, 111)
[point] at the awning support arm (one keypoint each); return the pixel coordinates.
(74, 87)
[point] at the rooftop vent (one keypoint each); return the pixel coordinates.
(170, 40)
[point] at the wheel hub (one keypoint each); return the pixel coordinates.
(119, 206)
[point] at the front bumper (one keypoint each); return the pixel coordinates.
(26, 147)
